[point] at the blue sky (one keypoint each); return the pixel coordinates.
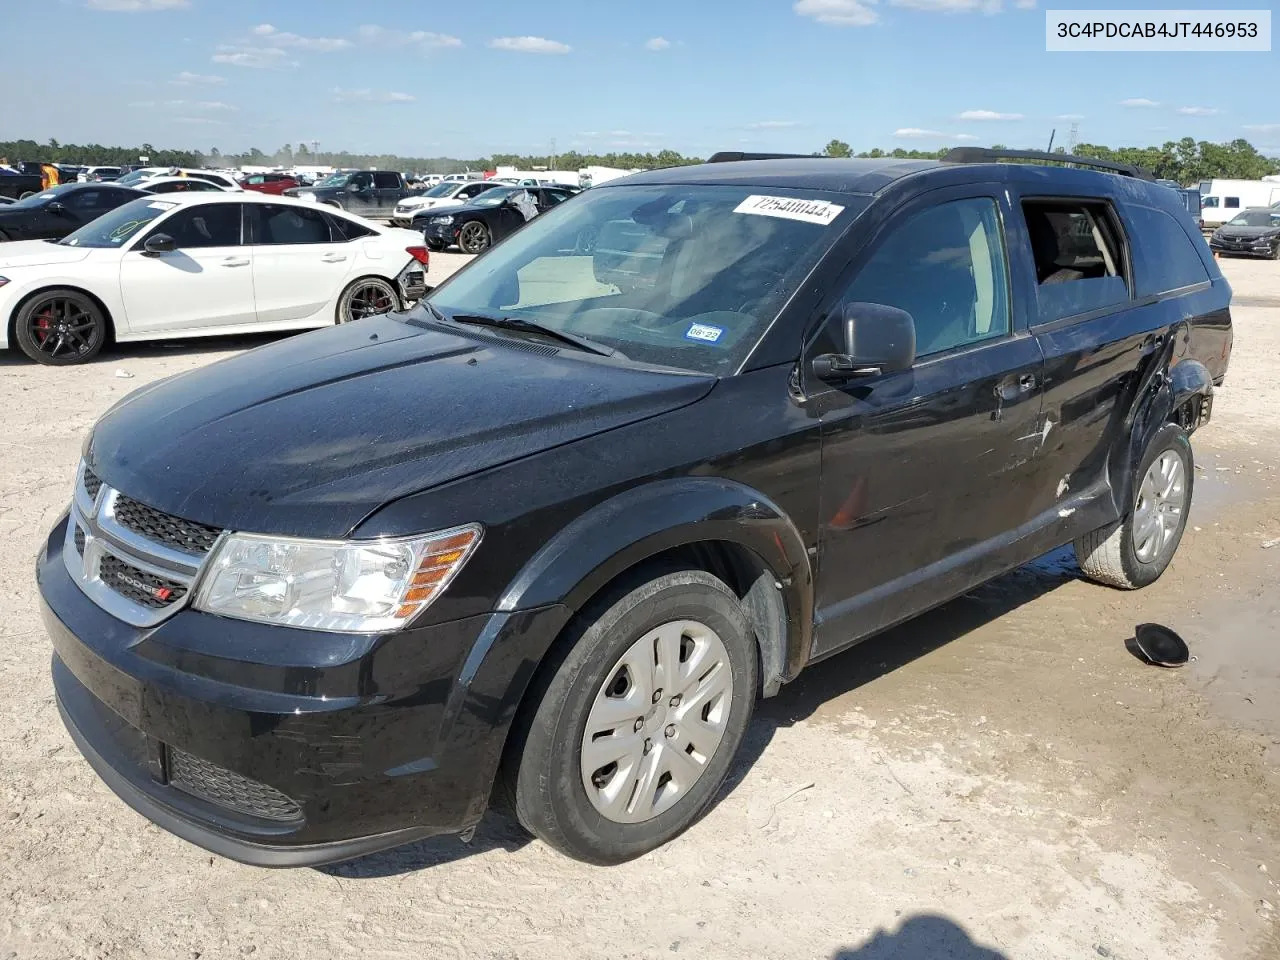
(429, 78)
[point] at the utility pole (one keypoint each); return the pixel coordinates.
(552, 158)
(1074, 138)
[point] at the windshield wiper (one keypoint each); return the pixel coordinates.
(529, 326)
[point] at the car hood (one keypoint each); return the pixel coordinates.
(39, 253)
(310, 435)
(1251, 233)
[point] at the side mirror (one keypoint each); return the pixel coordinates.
(875, 339)
(157, 244)
(56, 207)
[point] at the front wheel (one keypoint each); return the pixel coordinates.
(1136, 550)
(474, 237)
(637, 719)
(367, 297)
(60, 328)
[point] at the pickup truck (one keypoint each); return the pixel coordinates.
(366, 193)
(15, 186)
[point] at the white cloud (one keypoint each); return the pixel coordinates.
(621, 133)
(422, 40)
(142, 104)
(258, 58)
(1139, 102)
(136, 6)
(773, 124)
(988, 115)
(281, 38)
(966, 136)
(1199, 111)
(188, 79)
(590, 134)
(529, 45)
(1069, 116)
(838, 13)
(917, 133)
(657, 43)
(951, 6)
(371, 96)
(1263, 127)
(205, 121)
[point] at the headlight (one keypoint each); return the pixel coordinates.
(352, 586)
(443, 221)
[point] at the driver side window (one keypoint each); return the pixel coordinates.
(946, 266)
(204, 225)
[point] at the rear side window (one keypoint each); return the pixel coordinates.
(946, 267)
(1232, 203)
(344, 229)
(1165, 256)
(289, 224)
(386, 181)
(1079, 257)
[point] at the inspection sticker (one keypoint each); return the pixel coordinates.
(789, 208)
(702, 331)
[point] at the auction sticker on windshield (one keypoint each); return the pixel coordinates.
(789, 208)
(704, 332)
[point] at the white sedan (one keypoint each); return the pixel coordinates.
(202, 264)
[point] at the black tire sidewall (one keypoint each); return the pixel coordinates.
(488, 241)
(550, 798)
(1169, 437)
(22, 331)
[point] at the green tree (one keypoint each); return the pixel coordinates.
(838, 148)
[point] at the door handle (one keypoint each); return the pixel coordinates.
(235, 262)
(334, 257)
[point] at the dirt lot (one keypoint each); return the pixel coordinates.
(1000, 779)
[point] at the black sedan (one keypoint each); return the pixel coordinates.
(492, 216)
(52, 214)
(1252, 233)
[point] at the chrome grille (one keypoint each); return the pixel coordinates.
(137, 563)
(229, 789)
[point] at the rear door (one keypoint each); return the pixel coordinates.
(206, 282)
(300, 262)
(1096, 338)
(925, 473)
(389, 189)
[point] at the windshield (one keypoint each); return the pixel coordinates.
(1257, 218)
(43, 197)
(680, 276)
(137, 176)
(112, 229)
(492, 197)
(334, 180)
(441, 190)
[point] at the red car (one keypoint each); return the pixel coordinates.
(274, 183)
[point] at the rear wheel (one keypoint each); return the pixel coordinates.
(474, 237)
(367, 297)
(1135, 551)
(637, 719)
(60, 328)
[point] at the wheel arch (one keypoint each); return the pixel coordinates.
(363, 277)
(11, 322)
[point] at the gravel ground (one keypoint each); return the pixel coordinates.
(999, 779)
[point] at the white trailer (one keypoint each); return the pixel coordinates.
(1221, 200)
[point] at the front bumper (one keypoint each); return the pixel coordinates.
(443, 234)
(1249, 248)
(281, 747)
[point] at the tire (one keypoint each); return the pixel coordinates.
(543, 773)
(1119, 554)
(1275, 251)
(474, 237)
(367, 297)
(60, 327)
(26, 193)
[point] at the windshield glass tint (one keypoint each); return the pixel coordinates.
(681, 276)
(1257, 218)
(335, 180)
(441, 190)
(136, 177)
(492, 197)
(44, 196)
(115, 228)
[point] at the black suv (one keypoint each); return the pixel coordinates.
(547, 537)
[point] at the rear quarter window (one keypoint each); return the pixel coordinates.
(1166, 257)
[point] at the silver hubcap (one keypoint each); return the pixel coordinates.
(1161, 500)
(657, 721)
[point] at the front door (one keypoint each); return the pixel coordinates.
(206, 282)
(924, 471)
(361, 197)
(300, 262)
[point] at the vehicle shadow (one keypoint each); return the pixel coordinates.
(925, 936)
(114, 353)
(886, 652)
(816, 686)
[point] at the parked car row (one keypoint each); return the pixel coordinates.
(189, 264)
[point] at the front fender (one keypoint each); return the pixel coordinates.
(616, 535)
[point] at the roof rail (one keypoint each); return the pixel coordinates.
(729, 156)
(986, 155)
